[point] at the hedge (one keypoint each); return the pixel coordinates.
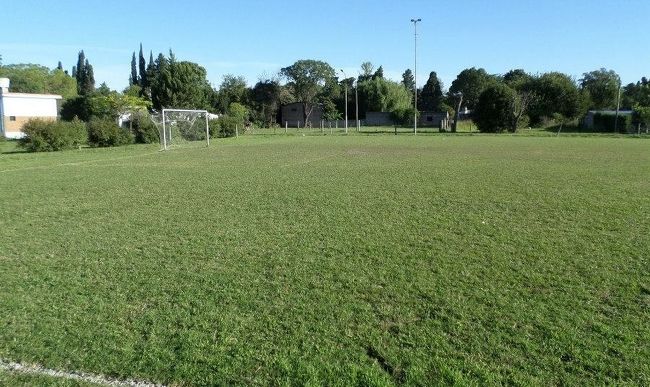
(45, 135)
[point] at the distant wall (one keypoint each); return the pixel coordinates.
(378, 119)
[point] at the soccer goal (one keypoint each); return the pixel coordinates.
(179, 127)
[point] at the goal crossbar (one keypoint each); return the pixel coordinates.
(164, 131)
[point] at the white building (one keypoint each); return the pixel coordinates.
(18, 108)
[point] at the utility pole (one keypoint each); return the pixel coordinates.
(415, 83)
(346, 100)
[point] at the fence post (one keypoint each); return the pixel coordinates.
(286, 126)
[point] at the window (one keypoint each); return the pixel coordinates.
(429, 119)
(12, 118)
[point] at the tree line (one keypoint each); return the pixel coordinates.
(498, 102)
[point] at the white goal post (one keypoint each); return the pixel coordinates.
(179, 125)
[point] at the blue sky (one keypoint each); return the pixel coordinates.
(252, 38)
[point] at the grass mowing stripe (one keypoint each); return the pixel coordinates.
(76, 163)
(35, 369)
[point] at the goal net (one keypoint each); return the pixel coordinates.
(180, 127)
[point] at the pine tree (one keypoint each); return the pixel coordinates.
(431, 94)
(59, 66)
(407, 79)
(133, 79)
(143, 69)
(74, 71)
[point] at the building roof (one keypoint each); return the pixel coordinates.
(28, 95)
(610, 112)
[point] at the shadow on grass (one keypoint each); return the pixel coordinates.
(580, 131)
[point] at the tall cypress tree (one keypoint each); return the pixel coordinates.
(133, 79)
(143, 69)
(59, 66)
(80, 73)
(89, 84)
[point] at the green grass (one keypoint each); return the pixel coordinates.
(367, 260)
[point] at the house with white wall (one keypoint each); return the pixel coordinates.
(18, 108)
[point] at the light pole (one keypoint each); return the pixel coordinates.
(346, 100)
(415, 79)
(356, 104)
(618, 106)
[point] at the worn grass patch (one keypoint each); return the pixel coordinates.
(372, 260)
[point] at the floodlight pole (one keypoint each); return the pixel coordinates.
(618, 107)
(346, 101)
(415, 79)
(356, 103)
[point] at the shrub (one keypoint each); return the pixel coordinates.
(606, 122)
(44, 135)
(493, 111)
(224, 126)
(104, 132)
(144, 131)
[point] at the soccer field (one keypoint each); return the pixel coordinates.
(359, 260)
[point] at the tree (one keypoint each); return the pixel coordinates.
(89, 85)
(367, 69)
(602, 86)
(142, 66)
(232, 89)
(431, 95)
(180, 85)
(31, 78)
(133, 79)
(382, 95)
(517, 79)
(115, 105)
(85, 75)
(265, 96)
(556, 94)
(103, 90)
(379, 73)
(636, 94)
(80, 72)
(307, 78)
(59, 66)
(499, 108)
(407, 79)
(642, 115)
(471, 82)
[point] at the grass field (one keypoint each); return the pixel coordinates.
(359, 260)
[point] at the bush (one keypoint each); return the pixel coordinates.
(144, 131)
(606, 122)
(224, 126)
(44, 135)
(104, 132)
(493, 113)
